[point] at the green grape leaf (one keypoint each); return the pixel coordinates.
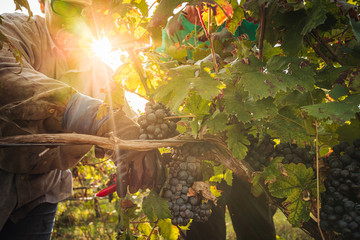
(316, 16)
(206, 86)
(299, 75)
(194, 125)
(298, 99)
(291, 186)
(338, 91)
(142, 6)
(336, 111)
(327, 76)
(272, 171)
(296, 128)
(260, 85)
(200, 53)
(263, 108)
(228, 177)
(167, 230)
(155, 207)
(354, 85)
(284, 73)
(197, 106)
(355, 27)
(218, 122)
(269, 51)
(234, 102)
(237, 141)
(294, 23)
(176, 53)
(346, 131)
(173, 93)
(184, 78)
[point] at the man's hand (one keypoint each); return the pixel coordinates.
(138, 170)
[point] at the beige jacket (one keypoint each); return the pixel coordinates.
(33, 100)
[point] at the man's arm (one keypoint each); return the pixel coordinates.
(31, 102)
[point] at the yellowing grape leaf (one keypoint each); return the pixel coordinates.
(233, 23)
(167, 230)
(224, 11)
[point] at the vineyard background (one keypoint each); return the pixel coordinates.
(297, 81)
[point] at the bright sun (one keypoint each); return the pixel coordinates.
(102, 49)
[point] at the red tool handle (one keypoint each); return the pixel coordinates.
(107, 191)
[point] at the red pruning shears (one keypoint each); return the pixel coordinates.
(109, 190)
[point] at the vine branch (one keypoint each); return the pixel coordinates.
(112, 143)
(262, 31)
(208, 35)
(152, 230)
(322, 42)
(317, 51)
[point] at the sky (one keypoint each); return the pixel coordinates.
(8, 6)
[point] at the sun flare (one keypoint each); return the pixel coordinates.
(102, 49)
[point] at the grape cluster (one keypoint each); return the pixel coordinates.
(184, 169)
(259, 152)
(153, 125)
(294, 154)
(340, 209)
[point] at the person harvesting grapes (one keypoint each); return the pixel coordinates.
(56, 90)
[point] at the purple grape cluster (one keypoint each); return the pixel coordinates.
(261, 152)
(292, 153)
(184, 169)
(153, 124)
(340, 204)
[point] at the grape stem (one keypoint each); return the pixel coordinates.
(262, 31)
(317, 174)
(208, 35)
(152, 230)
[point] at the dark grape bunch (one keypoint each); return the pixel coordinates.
(259, 152)
(184, 169)
(340, 204)
(294, 154)
(153, 125)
